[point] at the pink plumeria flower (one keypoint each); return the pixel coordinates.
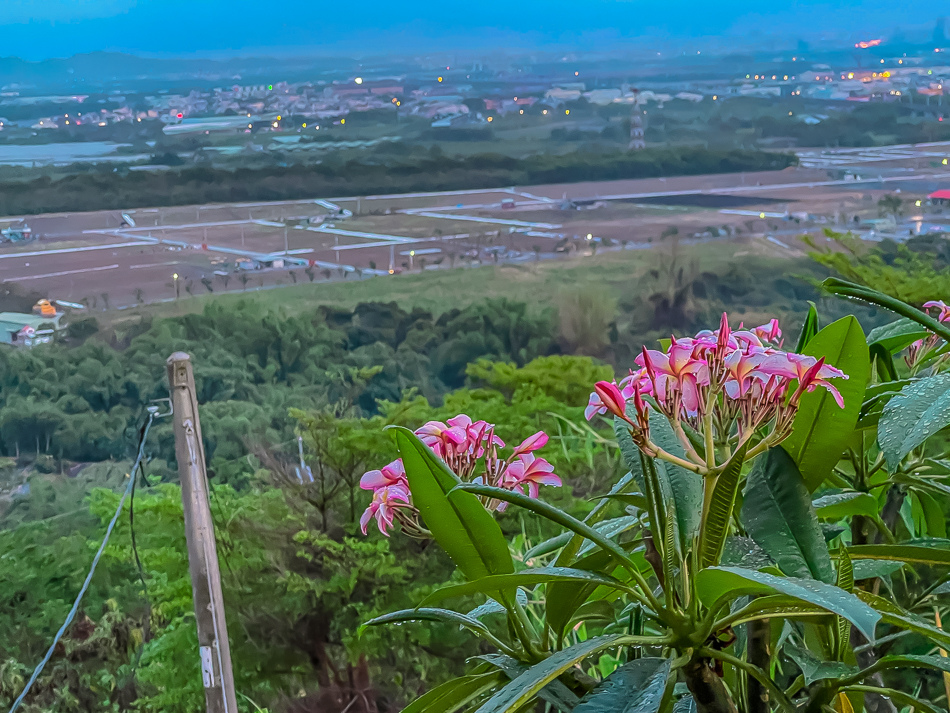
(531, 472)
(385, 502)
(531, 443)
(810, 372)
(742, 371)
(679, 366)
(441, 438)
(636, 382)
(944, 315)
(392, 474)
(594, 406)
(611, 397)
(747, 338)
(770, 332)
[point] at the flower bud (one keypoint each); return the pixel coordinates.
(611, 398)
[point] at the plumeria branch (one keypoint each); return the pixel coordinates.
(726, 385)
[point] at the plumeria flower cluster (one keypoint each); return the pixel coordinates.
(471, 450)
(723, 386)
(921, 350)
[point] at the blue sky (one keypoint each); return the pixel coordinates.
(36, 29)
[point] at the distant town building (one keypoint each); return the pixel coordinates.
(27, 330)
(941, 197)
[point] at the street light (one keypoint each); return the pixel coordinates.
(177, 288)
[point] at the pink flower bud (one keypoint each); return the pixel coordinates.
(611, 398)
(532, 443)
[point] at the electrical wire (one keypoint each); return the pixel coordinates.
(92, 569)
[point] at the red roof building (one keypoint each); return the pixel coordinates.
(941, 196)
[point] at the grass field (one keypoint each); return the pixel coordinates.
(540, 284)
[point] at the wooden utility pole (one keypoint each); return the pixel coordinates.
(213, 644)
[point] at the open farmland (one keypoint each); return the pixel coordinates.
(164, 254)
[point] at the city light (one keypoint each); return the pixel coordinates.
(342, 121)
(304, 125)
(590, 236)
(544, 111)
(567, 111)
(270, 87)
(521, 111)
(576, 73)
(761, 215)
(917, 203)
(489, 118)
(358, 80)
(440, 79)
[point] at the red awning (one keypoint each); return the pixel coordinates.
(942, 194)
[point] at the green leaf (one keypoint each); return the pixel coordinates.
(928, 513)
(883, 361)
(813, 668)
(457, 520)
(935, 556)
(936, 663)
(548, 546)
(874, 297)
(847, 504)
(845, 581)
(723, 502)
(871, 569)
(599, 512)
(491, 607)
(897, 335)
(424, 614)
(775, 606)
(554, 514)
(896, 616)
(525, 578)
(555, 693)
(635, 687)
(919, 411)
(610, 528)
(744, 552)
(716, 585)
(563, 599)
(683, 487)
(777, 513)
(528, 684)
(821, 429)
(810, 328)
(686, 704)
(455, 694)
(909, 703)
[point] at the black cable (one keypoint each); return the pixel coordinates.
(147, 627)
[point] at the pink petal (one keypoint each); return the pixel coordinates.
(532, 443)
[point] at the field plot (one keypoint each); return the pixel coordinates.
(116, 260)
